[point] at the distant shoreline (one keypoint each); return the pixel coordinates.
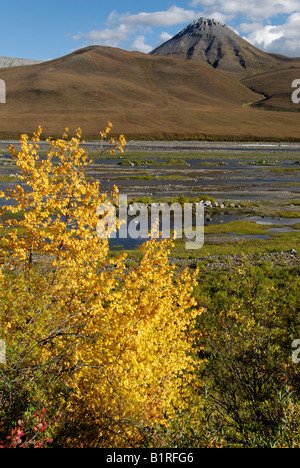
(181, 145)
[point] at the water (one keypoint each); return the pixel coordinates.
(270, 221)
(233, 180)
(217, 219)
(221, 178)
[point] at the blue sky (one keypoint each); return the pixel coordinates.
(44, 30)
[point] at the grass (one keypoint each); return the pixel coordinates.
(240, 228)
(187, 110)
(262, 162)
(213, 154)
(288, 214)
(218, 244)
(8, 178)
(223, 247)
(8, 215)
(152, 177)
(214, 163)
(173, 156)
(282, 242)
(285, 169)
(277, 243)
(152, 162)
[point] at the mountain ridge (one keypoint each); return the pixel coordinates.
(145, 96)
(141, 94)
(7, 62)
(207, 40)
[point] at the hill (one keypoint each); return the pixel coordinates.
(145, 96)
(276, 86)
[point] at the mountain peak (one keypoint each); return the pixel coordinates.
(208, 40)
(202, 26)
(204, 23)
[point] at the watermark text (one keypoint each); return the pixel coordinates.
(2, 352)
(296, 353)
(296, 93)
(159, 220)
(2, 92)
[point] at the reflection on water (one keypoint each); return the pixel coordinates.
(274, 221)
(218, 219)
(225, 178)
(219, 178)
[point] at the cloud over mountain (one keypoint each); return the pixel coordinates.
(252, 9)
(174, 15)
(283, 39)
(131, 28)
(271, 26)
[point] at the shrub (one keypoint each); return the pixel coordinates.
(110, 350)
(252, 386)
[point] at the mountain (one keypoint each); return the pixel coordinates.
(207, 40)
(144, 96)
(211, 42)
(16, 62)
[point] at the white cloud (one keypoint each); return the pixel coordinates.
(252, 9)
(124, 28)
(170, 17)
(165, 36)
(258, 17)
(292, 26)
(265, 36)
(284, 39)
(217, 15)
(132, 31)
(250, 27)
(139, 44)
(108, 37)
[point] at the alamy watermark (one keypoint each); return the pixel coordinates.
(158, 220)
(2, 92)
(2, 352)
(296, 93)
(296, 353)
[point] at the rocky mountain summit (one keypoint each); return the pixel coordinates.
(207, 40)
(7, 62)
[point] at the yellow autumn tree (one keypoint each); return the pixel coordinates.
(107, 347)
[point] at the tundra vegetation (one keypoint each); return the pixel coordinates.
(100, 353)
